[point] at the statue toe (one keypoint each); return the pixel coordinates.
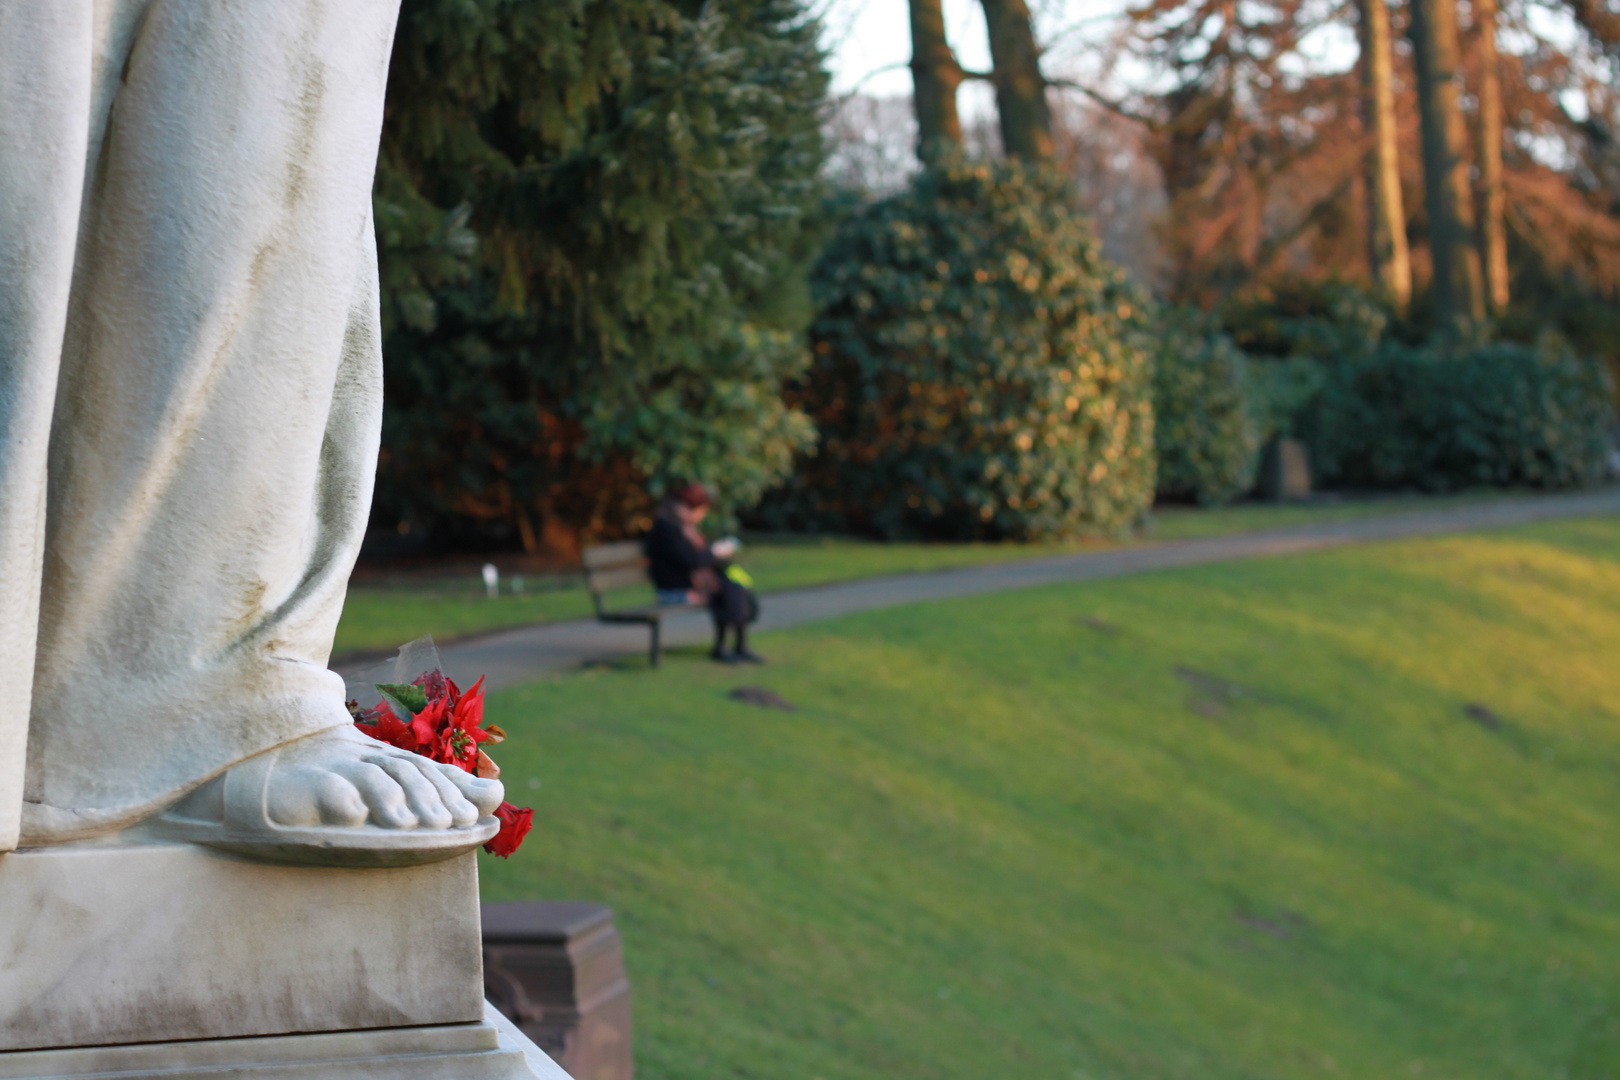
(423, 798)
(486, 795)
(461, 809)
(382, 793)
(339, 798)
(302, 798)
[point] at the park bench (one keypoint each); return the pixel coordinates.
(617, 566)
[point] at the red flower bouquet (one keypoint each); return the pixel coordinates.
(431, 716)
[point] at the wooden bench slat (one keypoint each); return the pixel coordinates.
(614, 566)
(607, 556)
(617, 578)
(631, 615)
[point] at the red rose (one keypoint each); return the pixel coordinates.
(514, 827)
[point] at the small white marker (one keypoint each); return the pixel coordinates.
(492, 580)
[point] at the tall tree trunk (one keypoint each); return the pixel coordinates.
(1492, 233)
(1459, 293)
(1026, 119)
(1387, 254)
(935, 74)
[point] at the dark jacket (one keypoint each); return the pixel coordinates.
(671, 555)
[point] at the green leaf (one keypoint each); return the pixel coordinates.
(413, 698)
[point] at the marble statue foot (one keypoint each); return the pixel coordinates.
(341, 798)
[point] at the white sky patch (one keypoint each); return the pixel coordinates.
(870, 43)
(867, 36)
(870, 46)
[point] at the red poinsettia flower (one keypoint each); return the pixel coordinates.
(459, 746)
(515, 825)
(381, 724)
(468, 708)
(427, 723)
(392, 730)
(447, 729)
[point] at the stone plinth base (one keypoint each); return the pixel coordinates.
(557, 969)
(150, 942)
(1285, 471)
(489, 1050)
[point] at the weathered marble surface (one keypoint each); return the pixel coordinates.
(490, 1049)
(132, 942)
(190, 393)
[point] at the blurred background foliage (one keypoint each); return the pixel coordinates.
(1439, 419)
(978, 369)
(1207, 417)
(626, 243)
(594, 218)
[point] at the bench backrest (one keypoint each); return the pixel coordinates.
(614, 566)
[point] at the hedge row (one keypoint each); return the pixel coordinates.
(1207, 418)
(1499, 415)
(979, 371)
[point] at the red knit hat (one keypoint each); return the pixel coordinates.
(693, 496)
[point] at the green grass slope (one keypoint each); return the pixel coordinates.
(1225, 822)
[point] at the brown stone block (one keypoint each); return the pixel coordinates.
(1285, 471)
(556, 969)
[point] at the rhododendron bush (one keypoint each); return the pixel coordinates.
(430, 715)
(978, 370)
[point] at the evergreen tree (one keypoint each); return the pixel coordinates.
(594, 229)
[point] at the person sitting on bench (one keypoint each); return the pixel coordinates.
(686, 569)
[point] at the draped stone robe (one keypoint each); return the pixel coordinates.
(190, 388)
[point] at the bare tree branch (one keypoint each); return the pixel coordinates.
(1116, 107)
(899, 65)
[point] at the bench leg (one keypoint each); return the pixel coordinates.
(654, 649)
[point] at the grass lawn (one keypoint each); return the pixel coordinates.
(1231, 821)
(379, 617)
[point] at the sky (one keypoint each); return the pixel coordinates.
(870, 42)
(867, 35)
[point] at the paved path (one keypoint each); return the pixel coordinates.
(529, 652)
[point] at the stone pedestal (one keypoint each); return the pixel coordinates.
(141, 958)
(491, 1049)
(556, 968)
(109, 942)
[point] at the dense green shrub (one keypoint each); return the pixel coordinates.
(1325, 320)
(1501, 415)
(1205, 431)
(596, 222)
(1281, 390)
(974, 370)
(1290, 331)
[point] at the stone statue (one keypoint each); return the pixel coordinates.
(190, 404)
(206, 871)
(190, 397)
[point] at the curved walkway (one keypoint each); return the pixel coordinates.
(530, 652)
